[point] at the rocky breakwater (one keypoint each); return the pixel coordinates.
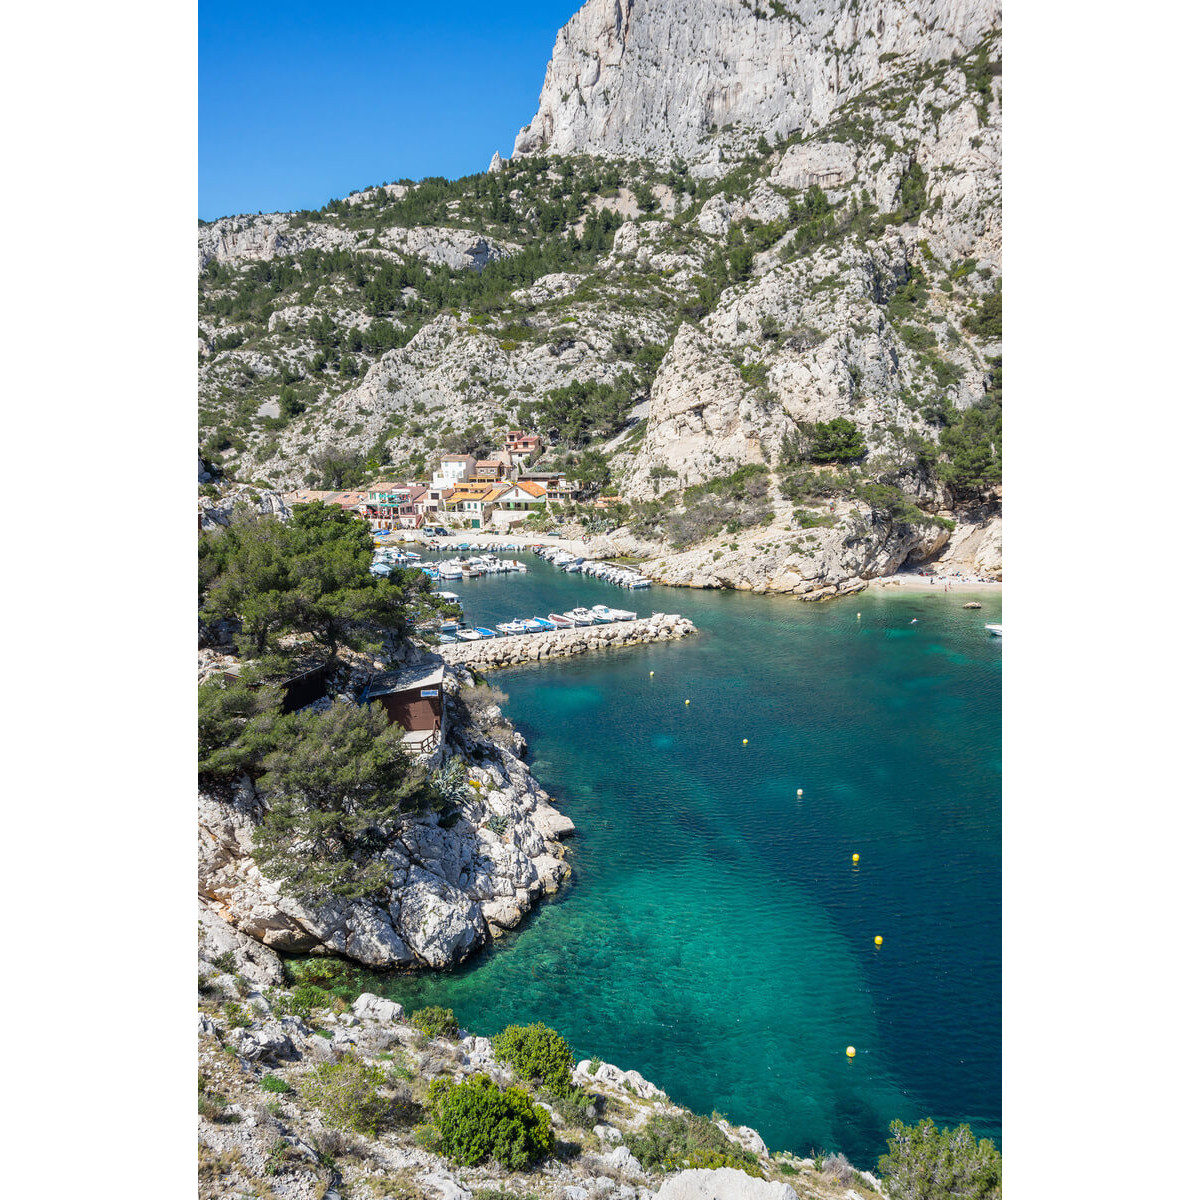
(559, 643)
(456, 879)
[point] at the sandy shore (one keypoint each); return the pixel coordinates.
(941, 583)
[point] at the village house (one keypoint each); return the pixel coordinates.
(394, 504)
(516, 501)
(412, 697)
(523, 447)
(452, 469)
(558, 487)
(473, 501)
(352, 502)
(492, 469)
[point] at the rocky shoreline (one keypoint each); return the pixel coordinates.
(262, 1125)
(457, 880)
(560, 643)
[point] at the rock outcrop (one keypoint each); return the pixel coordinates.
(701, 79)
(453, 884)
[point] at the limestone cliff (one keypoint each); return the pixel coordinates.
(702, 78)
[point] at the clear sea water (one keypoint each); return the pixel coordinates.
(716, 935)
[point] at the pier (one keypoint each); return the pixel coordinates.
(561, 643)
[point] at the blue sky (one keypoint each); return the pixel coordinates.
(302, 102)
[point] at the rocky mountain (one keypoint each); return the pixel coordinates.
(777, 337)
(703, 78)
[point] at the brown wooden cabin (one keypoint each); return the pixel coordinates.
(413, 698)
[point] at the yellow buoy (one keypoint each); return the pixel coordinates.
(858, 616)
(687, 702)
(878, 940)
(854, 858)
(799, 791)
(745, 741)
(850, 1052)
(651, 674)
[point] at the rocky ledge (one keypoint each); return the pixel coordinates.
(559, 643)
(265, 1130)
(456, 880)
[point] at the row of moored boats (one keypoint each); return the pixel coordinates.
(608, 572)
(388, 557)
(598, 614)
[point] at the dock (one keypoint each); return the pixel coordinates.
(561, 643)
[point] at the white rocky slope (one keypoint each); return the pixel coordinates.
(263, 1131)
(451, 888)
(657, 78)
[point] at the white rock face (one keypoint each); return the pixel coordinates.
(450, 888)
(722, 1184)
(663, 77)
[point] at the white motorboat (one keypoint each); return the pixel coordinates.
(995, 630)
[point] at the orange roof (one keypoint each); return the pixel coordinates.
(534, 489)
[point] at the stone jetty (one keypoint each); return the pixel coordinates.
(559, 643)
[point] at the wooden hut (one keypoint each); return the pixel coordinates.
(413, 698)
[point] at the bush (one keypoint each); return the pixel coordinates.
(272, 1083)
(348, 1095)
(478, 1121)
(923, 1164)
(683, 1140)
(537, 1053)
(839, 440)
(435, 1022)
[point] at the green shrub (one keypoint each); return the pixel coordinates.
(683, 1140)
(348, 1095)
(537, 1053)
(236, 1016)
(839, 440)
(435, 1022)
(478, 1121)
(923, 1164)
(272, 1083)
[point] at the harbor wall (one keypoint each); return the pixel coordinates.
(559, 643)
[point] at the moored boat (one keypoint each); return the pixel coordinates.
(562, 622)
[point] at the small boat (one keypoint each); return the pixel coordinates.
(582, 616)
(601, 615)
(484, 631)
(532, 625)
(469, 635)
(446, 595)
(446, 639)
(622, 614)
(449, 571)
(510, 628)
(542, 623)
(995, 630)
(562, 622)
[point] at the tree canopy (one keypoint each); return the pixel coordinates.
(337, 783)
(309, 575)
(923, 1164)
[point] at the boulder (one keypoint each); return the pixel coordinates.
(722, 1184)
(376, 1008)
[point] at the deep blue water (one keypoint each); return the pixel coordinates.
(716, 935)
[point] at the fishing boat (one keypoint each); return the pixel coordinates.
(582, 616)
(484, 631)
(450, 570)
(446, 639)
(542, 623)
(468, 635)
(995, 630)
(511, 628)
(614, 614)
(601, 615)
(561, 622)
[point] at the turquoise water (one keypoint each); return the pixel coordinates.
(716, 935)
